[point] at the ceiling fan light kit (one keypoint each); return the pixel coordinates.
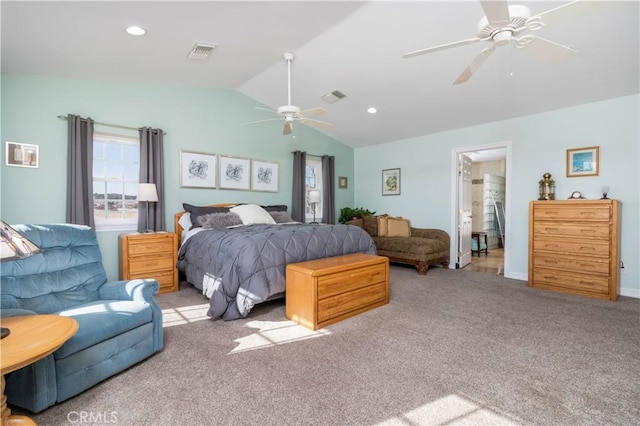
(290, 113)
(500, 25)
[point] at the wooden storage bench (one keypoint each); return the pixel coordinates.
(324, 291)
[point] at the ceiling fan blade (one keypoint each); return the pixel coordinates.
(544, 48)
(443, 47)
(496, 11)
(266, 109)
(262, 121)
(316, 123)
(312, 111)
(288, 127)
(474, 65)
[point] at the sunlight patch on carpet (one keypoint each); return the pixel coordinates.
(450, 410)
(184, 315)
(271, 333)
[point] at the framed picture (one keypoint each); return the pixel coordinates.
(342, 181)
(583, 161)
(391, 182)
(235, 173)
(197, 170)
(21, 155)
(264, 176)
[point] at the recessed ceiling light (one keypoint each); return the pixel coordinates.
(372, 110)
(135, 30)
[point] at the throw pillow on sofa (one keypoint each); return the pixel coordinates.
(398, 227)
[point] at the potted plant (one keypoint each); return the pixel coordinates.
(348, 213)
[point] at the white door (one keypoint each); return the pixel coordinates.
(464, 210)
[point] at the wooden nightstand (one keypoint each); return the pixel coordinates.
(152, 255)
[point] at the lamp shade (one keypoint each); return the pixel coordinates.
(147, 192)
(14, 245)
(314, 196)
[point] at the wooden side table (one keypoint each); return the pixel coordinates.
(32, 338)
(476, 236)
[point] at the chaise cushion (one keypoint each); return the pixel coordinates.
(414, 248)
(101, 320)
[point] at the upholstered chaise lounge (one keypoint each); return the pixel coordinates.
(119, 323)
(401, 243)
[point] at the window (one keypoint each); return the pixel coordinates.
(313, 174)
(116, 165)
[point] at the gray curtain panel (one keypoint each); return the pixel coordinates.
(152, 171)
(80, 171)
(328, 189)
(298, 196)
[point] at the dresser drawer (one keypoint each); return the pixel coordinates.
(151, 263)
(579, 281)
(343, 303)
(141, 247)
(591, 247)
(340, 282)
(565, 229)
(572, 213)
(578, 264)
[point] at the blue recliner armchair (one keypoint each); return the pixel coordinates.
(120, 323)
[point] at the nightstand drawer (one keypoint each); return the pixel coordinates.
(165, 278)
(140, 247)
(140, 264)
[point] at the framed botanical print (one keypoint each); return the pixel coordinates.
(264, 176)
(391, 182)
(235, 173)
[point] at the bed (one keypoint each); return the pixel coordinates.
(237, 254)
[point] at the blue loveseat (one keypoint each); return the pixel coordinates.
(120, 324)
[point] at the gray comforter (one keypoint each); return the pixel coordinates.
(246, 265)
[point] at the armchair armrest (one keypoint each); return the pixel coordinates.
(141, 290)
(434, 234)
(15, 312)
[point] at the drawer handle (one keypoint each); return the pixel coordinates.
(587, 231)
(547, 277)
(587, 248)
(551, 245)
(552, 229)
(551, 261)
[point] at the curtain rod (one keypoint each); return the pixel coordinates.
(64, 117)
(311, 155)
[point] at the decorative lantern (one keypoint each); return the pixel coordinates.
(547, 187)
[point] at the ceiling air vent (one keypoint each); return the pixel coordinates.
(334, 96)
(202, 50)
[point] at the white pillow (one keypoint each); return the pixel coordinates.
(251, 214)
(185, 221)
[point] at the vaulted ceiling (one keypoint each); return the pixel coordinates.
(354, 47)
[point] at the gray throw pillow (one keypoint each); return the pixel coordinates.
(281, 217)
(219, 220)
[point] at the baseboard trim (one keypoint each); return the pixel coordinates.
(630, 292)
(517, 276)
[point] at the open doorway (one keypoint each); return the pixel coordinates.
(481, 206)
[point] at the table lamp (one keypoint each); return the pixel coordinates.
(14, 246)
(314, 199)
(147, 194)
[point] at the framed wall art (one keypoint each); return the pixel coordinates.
(583, 161)
(264, 176)
(342, 181)
(197, 170)
(235, 173)
(391, 182)
(21, 155)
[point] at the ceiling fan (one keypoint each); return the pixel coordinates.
(500, 25)
(290, 113)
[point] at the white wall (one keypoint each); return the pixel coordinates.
(539, 144)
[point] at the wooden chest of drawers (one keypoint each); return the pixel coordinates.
(152, 255)
(324, 291)
(573, 246)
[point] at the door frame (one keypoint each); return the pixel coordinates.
(455, 196)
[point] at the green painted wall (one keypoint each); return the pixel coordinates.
(539, 144)
(195, 119)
